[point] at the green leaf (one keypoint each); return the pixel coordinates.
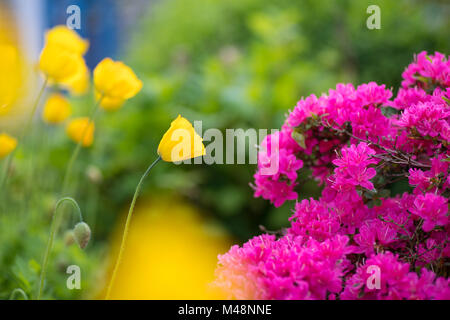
(299, 138)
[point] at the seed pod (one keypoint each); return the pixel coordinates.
(82, 234)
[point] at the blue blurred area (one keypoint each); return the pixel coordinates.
(100, 23)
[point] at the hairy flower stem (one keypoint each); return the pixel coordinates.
(77, 150)
(25, 130)
(53, 230)
(17, 291)
(127, 225)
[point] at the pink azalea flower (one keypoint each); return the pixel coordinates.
(352, 168)
(374, 235)
(432, 208)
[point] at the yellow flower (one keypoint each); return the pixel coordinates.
(171, 253)
(7, 145)
(180, 142)
(56, 109)
(114, 79)
(11, 77)
(66, 39)
(79, 83)
(77, 128)
(60, 65)
(109, 103)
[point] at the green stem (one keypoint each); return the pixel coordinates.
(53, 230)
(18, 291)
(5, 174)
(127, 225)
(77, 150)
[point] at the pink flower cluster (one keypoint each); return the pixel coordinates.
(396, 282)
(287, 268)
(427, 70)
(383, 162)
(352, 168)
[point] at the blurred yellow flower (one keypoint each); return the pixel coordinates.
(77, 128)
(171, 253)
(7, 145)
(113, 79)
(60, 65)
(67, 39)
(180, 142)
(78, 84)
(109, 103)
(11, 77)
(62, 59)
(56, 109)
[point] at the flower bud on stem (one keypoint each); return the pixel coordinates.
(53, 230)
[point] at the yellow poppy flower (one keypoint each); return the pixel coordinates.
(77, 128)
(56, 109)
(7, 145)
(60, 65)
(79, 83)
(180, 142)
(109, 103)
(11, 77)
(67, 39)
(114, 79)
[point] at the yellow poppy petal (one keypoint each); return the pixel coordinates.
(80, 127)
(60, 65)
(66, 39)
(7, 145)
(56, 109)
(114, 79)
(109, 103)
(180, 142)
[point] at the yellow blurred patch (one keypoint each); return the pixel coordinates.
(14, 74)
(11, 66)
(171, 253)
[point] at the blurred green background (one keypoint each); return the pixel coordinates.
(232, 64)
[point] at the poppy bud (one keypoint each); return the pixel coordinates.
(82, 234)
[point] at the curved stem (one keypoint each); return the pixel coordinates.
(18, 291)
(77, 150)
(5, 174)
(53, 230)
(127, 225)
